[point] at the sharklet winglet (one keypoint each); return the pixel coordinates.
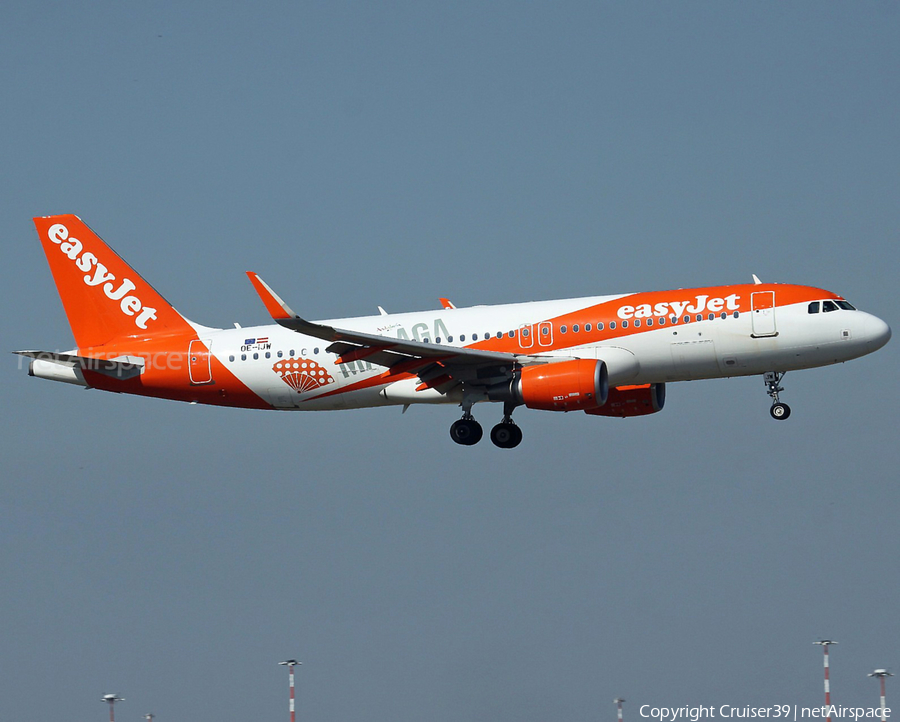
(274, 304)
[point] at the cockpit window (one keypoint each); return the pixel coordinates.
(829, 306)
(846, 306)
(814, 306)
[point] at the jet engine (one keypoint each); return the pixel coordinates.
(632, 401)
(563, 386)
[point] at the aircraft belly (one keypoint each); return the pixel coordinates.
(280, 399)
(742, 356)
(694, 358)
(405, 392)
(360, 399)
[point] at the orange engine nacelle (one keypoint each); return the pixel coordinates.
(633, 401)
(565, 386)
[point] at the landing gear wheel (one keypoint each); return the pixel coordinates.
(772, 380)
(780, 411)
(466, 432)
(506, 435)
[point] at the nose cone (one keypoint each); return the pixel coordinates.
(877, 333)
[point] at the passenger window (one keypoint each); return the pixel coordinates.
(600, 326)
(828, 306)
(637, 322)
(231, 358)
(268, 354)
(711, 316)
(487, 336)
(316, 351)
(525, 332)
(280, 354)
(499, 334)
(624, 324)
(699, 316)
(462, 338)
(255, 355)
(662, 321)
(649, 321)
(813, 307)
(674, 319)
(511, 334)
(587, 327)
(437, 340)
(243, 357)
(563, 329)
(612, 325)
(545, 331)
(449, 339)
(737, 314)
(687, 319)
(724, 315)
(575, 328)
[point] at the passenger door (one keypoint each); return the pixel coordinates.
(199, 367)
(762, 314)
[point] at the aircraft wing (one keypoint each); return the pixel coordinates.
(384, 350)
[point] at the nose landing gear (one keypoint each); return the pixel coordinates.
(779, 410)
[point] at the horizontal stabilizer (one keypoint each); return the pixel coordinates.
(118, 368)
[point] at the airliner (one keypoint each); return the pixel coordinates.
(602, 355)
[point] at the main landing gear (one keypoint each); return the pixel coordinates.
(779, 410)
(466, 431)
(505, 435)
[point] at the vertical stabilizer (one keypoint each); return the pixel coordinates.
(104, 298)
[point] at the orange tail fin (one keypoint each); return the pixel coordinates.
(103, 296)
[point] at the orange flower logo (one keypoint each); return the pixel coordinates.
(302, 374)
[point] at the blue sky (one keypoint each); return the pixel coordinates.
(358, 155)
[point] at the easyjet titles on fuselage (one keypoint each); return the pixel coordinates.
(700, 304)
(130, 305)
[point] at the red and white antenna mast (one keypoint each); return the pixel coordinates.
(825, 643)
(618, 701)
(290, 664)
(111, 700)
(882, 674)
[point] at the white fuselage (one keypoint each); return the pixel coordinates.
(716, 348)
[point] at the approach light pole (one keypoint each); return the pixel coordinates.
(882, 674)
(618, 701)
(290, 664)
(111, 700)
(825, 643)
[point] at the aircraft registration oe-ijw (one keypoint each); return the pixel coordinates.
(603, 355)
